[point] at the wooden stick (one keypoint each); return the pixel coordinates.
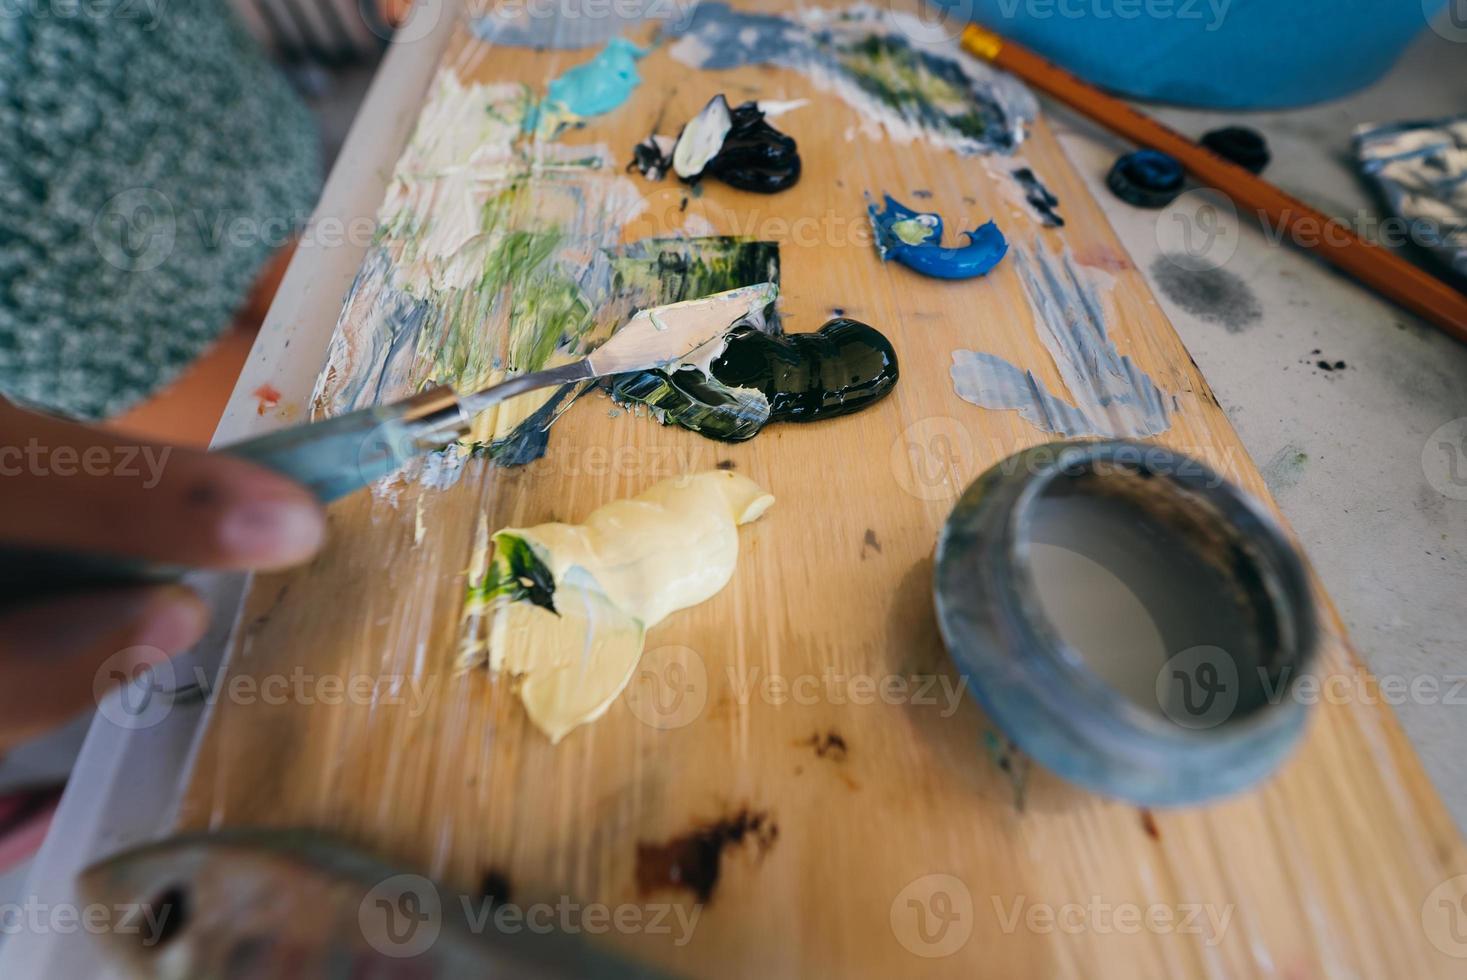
(1372, 265)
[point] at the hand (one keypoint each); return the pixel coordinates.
(65, 486)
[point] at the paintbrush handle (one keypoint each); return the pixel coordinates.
(1372, 265)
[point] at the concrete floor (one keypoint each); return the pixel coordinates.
(1347, 453)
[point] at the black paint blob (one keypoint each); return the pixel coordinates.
(755, 156)
(840, 368)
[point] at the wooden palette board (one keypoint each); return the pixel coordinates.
(900, 852)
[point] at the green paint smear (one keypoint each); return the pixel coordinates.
(517, 574)
(918, 85)
(674, 270)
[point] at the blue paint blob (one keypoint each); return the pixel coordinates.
(1147, 178)
(914, 239)
(601, 84)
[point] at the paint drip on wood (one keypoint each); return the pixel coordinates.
(1110, 395)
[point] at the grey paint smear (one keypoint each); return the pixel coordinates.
(1211, 294)
(1109, 394)
(990, 381)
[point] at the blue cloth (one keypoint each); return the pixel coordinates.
(148, 167)
(1227, 54)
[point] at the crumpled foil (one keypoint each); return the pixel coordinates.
(1421, 168)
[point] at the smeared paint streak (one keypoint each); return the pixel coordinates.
(652, 157)
(1215, 295)
(694, 861)
(1284, 468)
(913, 238)
(1040, 198)
(888, 66)
(599, 85)
(492, 258)
(992, 382)
(267, 397)
(1013, 764)
(1111, 395)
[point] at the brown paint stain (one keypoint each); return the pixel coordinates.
(1103, 258)
(831, 746)
(496, 888)
(268, 397)
(694, 860)
(870, 542)
(1148, 824)
(725, 464)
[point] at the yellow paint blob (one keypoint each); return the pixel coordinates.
(626, 568)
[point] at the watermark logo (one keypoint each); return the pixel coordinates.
(133, 688)
(1100, 917)
(1199, 687)
(1444, 916)
(135, 230)
(1199, 231)
(1444, 459)
(931, 456)
(933, 916)
(401, 916)
(669, 689)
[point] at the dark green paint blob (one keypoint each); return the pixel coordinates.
(518, 574)
(840, 368)
(760, 378)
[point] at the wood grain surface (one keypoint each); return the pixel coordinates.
(888, 841)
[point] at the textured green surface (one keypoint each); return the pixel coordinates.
(149, 164)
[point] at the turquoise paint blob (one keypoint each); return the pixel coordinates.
(601, 84)
(914, 238)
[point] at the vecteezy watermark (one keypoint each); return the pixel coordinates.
(1211, 13)
(144, 920)
(1444, 459)
(136, 229)
(1098, 916)
(672, 684)
(932, 916)
(1199, 688)
(147, 12)
(1444, 916)
(933, 457)
(669, 689)
(1202, 687)
(941, 691)
(1450, 21)
(127, 462)
(138, 688)
(405, 915)
(1199, 231)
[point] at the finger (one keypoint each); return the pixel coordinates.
(66, 486)
(52, 654)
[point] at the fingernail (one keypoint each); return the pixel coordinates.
(268, 534)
